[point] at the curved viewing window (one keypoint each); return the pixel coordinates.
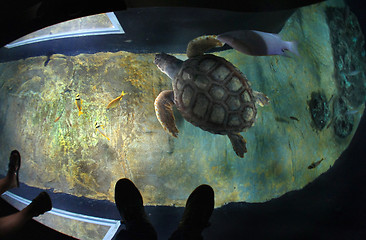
(99, 24)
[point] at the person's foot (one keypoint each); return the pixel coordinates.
(129, 201)
(13, 168)
(130, 206)
(196, 215)
(41, 204)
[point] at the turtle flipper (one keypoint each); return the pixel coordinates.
(164, 111)
(239, 144)
(260, 98)
(200, 45)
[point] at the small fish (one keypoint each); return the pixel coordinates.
(352, 112)
(78, 103)
(330, 99)
(294, 118)
(115, 102)
(281, 119)
(354, 73)
(258, 43)
(58, 118)
(67, 90)
(315, 164)
(99, 128)
(68, 87)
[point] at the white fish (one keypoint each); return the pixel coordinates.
(258, 43)
(354, 73)
(352, 112)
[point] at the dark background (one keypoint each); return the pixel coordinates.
(331, 207)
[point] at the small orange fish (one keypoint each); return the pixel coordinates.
(99, 128)
(115, 102)
(58, 118)
(78, 103)
(315, 164)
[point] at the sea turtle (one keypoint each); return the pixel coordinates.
(209, 92)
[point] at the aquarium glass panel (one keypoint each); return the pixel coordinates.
(99, 24)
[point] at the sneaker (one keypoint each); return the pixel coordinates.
(196, 215)
(41, 204)
(14, 166)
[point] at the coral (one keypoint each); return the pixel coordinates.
(348, 45)
(343, 120)
(349, 60)
(319, 109)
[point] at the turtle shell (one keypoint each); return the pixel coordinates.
(212, 94)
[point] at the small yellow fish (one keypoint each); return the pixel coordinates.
(78, 103)
(315, 164)
(99, 128)
(114, 102)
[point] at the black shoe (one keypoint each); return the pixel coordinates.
(130, 206)
(129, 201)
(197, 213)
(14, 165)
(41, 204)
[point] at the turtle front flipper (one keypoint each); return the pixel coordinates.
(200, 45)
(239, 143)
(164, 111)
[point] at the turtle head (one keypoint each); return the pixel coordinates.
(168, 64)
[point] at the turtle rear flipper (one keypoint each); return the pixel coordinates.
(260, 98)
(200, 45)
(239, 143)
(164, 111)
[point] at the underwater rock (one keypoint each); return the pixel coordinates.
(348, 45)
(343, 120)
(319, 109)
